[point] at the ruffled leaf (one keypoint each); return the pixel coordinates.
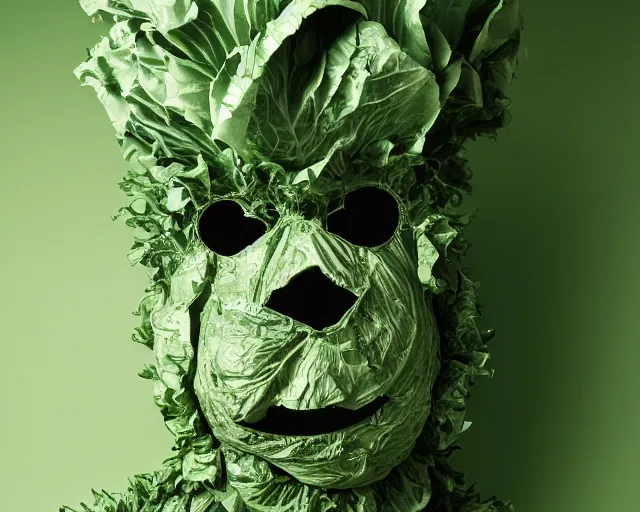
(168, 15)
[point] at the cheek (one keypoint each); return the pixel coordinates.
(399, 306)
(242, 350)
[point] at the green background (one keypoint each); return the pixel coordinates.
(555, 246)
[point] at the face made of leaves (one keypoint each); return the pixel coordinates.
(316, 347)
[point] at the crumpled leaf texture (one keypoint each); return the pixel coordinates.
(194, 90)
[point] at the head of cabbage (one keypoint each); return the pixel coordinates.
(296, 174)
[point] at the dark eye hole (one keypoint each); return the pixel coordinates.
(226, 230)
(369, 218)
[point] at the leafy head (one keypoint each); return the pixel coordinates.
(314, 145)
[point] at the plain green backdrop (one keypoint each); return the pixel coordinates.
(555, 246)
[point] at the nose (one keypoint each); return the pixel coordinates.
(313, 299)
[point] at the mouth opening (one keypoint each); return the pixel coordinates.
(290, 422)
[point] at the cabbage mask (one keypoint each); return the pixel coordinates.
(296, 175)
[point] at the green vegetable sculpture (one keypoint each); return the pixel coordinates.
(296, 175)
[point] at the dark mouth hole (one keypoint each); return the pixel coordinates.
(313, 299)
(290, 422)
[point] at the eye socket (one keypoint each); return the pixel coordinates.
(369, 218)
(225, 229)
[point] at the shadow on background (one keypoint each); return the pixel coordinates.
(555, 247)
(527, 243)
